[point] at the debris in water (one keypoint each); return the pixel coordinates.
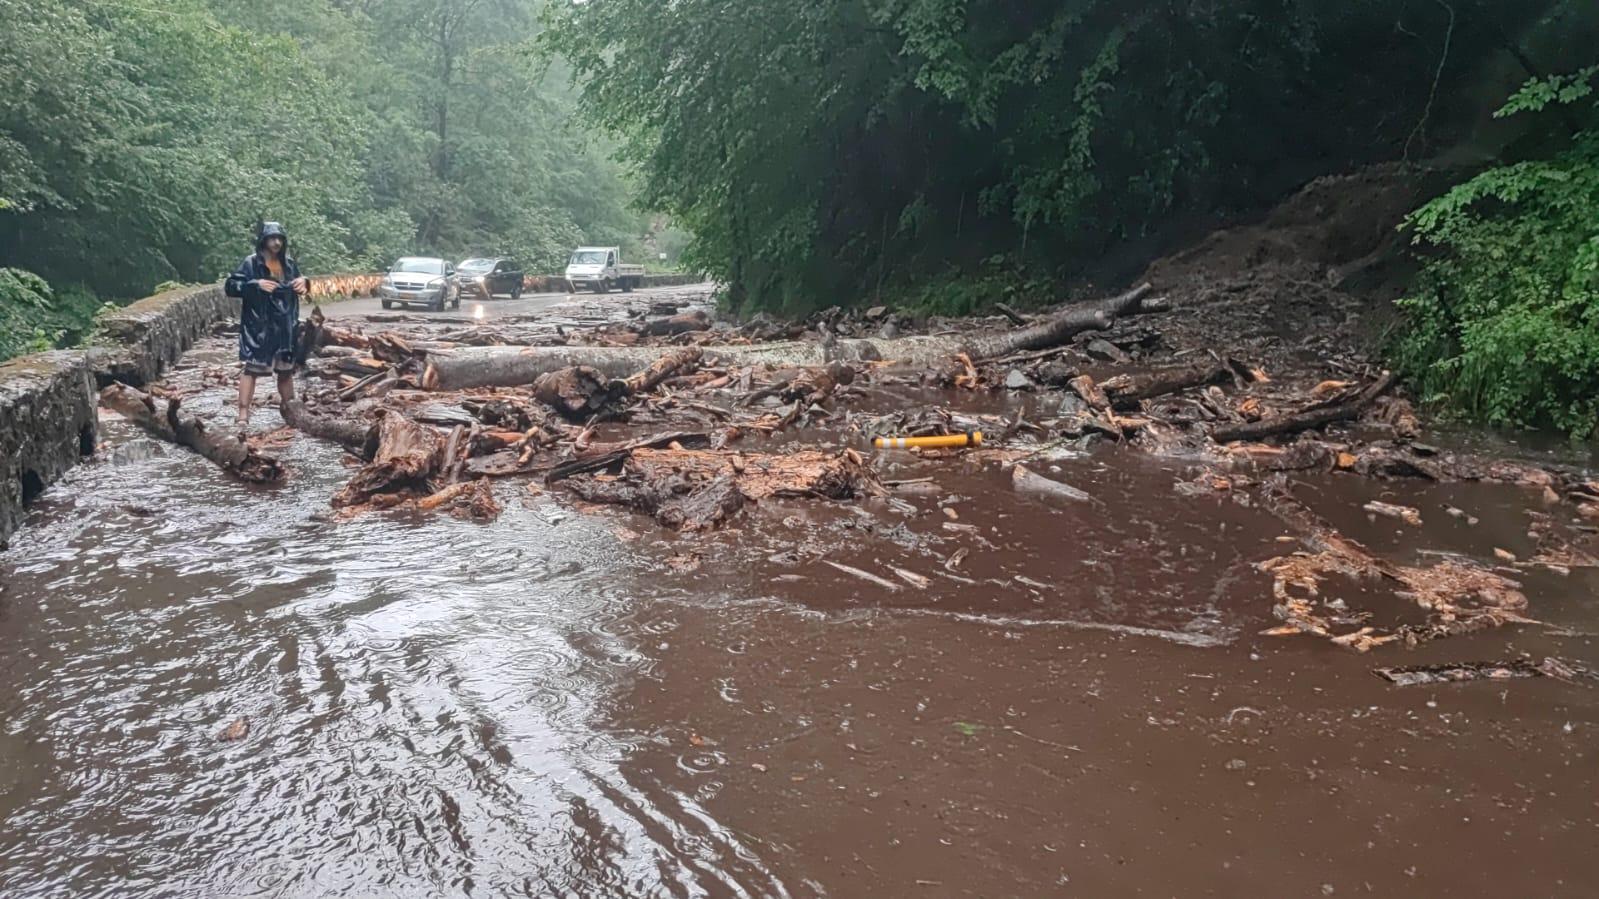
(1415, 675)
(885, 583)
(238, 730)
(1406, 514)
(1027, 481)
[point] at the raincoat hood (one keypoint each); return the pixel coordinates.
(272, 229)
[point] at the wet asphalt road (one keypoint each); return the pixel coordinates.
(498, 307)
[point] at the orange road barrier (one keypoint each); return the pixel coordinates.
(970, 438)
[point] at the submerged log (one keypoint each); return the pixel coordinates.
(1030, 482)
(1310, 418)
(1459, 597)
(676, 502)
(357, 436)
(407, 456)
(166, 421)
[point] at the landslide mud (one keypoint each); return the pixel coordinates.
(572, 700)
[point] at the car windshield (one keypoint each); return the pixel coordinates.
(476, 265)
(420, 266)
(588, 257)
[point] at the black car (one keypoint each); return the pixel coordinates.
(488, 277)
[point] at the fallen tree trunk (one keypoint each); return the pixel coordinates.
(309, 336)
(678, 362)
(599, 458)
(168, 423)
(577, 392)
(518, 366)
(359, 437)
(407, 455)
(580, 392)
(1062, 326)
(1159, 382)
(1301, 421)
(681, 323)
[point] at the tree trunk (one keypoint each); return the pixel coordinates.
(672, 364)
(1159, 382)
(1062, 326)
(1302, 421)
(407, 455)
(233, 455)
(359, 437)
(681, 323)
(578, 392)
(309, 336)
(518, 366)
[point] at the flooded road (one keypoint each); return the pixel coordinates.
(574, 702)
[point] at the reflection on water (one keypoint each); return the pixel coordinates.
(425, 700)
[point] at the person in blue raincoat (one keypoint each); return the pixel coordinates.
(269, 284)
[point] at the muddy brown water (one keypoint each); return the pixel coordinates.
(570, 702)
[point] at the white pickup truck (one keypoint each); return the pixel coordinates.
(600, 269)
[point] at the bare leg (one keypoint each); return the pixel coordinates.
(285, 387)
(246, 398)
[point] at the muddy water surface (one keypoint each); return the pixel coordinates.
(572, 703)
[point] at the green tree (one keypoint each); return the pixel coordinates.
(826, 152)
(1503, 325)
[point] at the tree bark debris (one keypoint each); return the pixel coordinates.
(695, 490)
(1458, 597)
(407, 456)
(1311, 418)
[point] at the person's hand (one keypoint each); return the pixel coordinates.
(301, 286)
(267, 285)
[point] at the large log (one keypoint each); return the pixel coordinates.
(700, 489)
(577, 392)
(407, 456)
(518, 366)
(1062, 326)
(1302, 421)
(1161, 381)
(677, 362)
(165, 420)
(681, 323)
(357, 436)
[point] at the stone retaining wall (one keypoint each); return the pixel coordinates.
(47, 422)
(140, 341)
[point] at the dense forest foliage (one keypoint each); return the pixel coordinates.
(1504, 321)
(836, 149)
(141, 142)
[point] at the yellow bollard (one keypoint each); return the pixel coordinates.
(970, 438)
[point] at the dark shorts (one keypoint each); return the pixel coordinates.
(282, 364)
